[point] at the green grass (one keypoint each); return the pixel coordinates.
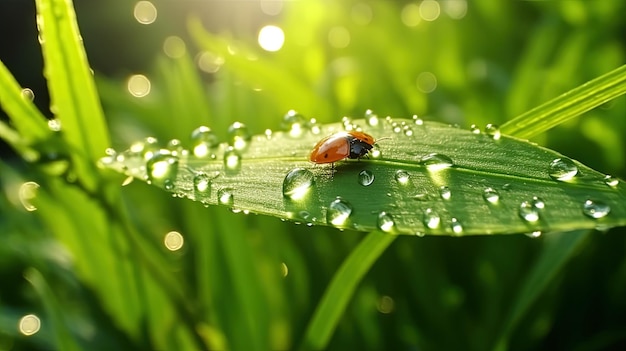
(91, 263)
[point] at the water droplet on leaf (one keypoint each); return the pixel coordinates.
(232, 161)
(162, 169)
(528, 211)
(202, 141)
(456, 226)
(338, 212)
(611, 181)
(445, 192)
(297, 183)
(431, 219)
(491, 195)
(436, 162)
(385, 222)
(295, 124)
(402, 176)
(225, 196)
(371, 118)
(366, 177)
(202, 184)
(596, 209)
(563, 169)
(493, 131)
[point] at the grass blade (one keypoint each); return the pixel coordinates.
(74, 99)
(341, 288)
(569, 105)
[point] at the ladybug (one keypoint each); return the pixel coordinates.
(342, 145)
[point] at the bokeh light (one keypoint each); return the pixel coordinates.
(174, 47)
(361, 14)
(29, 324)
(339, 37)
(271, 38)
(173, 241)
(410, 15)
(139, 85)
(455, 9)
(426, 82)
(209, 62)
(145, 12)
(430, 10)
(271, 7)
(28, 193)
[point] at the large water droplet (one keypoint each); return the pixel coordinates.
(436, 162)
(538, 203)
(456, 226)
(596, 209)
(295, 124)
(149, 147)
(418, 121)
(563, 169)
(611, 181)
(366, 177)
(202, 184)
(445, 192)
(27, 194)
(232, 161)
(162, 169)
(338, 212)
(431, 219)
(528, 211)
(475, 129)
(28, 94)
(493, 131)
(491, 195)
(202, 141)
(297, 183)
(385, 222)
(402, 176)
(239, 136)
(29, 324)
(225, 196)
(371, 118)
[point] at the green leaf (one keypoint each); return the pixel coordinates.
(73, 95)
(341, 289)
(569, 105)
(425, 178)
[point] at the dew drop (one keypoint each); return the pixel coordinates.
(431, 219)
(436, 162)
(385, 222)
(475, 129)
(203, 139)
(456, 226)
(366, 177)
(162, 169)
(611, 181)
(445, 192)
(596, 209)
(232, 161)
(29, 324)
(538, 203)
(493, 131)
(54, 125)
(173, 241)
(176, 147)
(294, 123)
(563, 169)
(375, 153)
(402, 177)
(371, 118)
(239, 135)
(338, 212)
(491, 195)
(28, 94)
(146, 148)
(418, 121)
(297, 183)
(528, 211)
(202, 183)
(535, 234)
(407, 131)
(225, 196)
(27, 194)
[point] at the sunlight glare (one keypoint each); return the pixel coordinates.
(271, 38)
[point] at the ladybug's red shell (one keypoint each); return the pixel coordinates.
(342, 145)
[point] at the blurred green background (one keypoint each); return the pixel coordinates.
(456, 61)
